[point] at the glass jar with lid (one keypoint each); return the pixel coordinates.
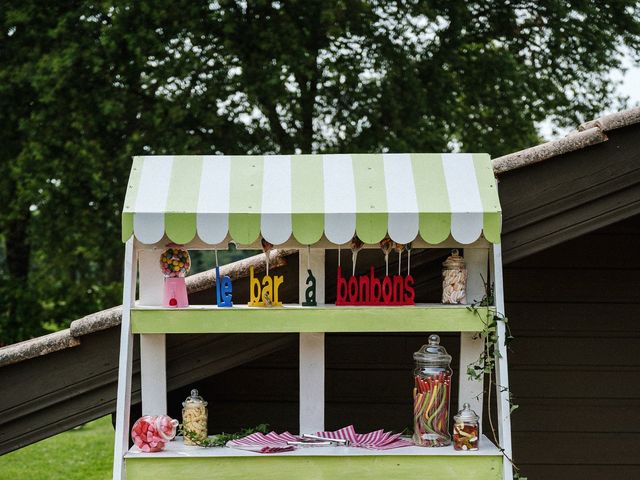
(454, 279)
(466, 429)
(194, 419)
(151, 433)
(432, 395)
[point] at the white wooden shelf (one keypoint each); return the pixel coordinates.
(348, 463)
(177, 449)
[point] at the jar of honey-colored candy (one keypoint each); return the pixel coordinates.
(466, 429)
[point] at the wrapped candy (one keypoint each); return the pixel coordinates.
(266, 248)
(386, 244)
(399, 248)
(355, 245)
(151, 433)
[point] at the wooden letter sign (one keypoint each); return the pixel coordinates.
(369, 290)
(310, 293)
(265, 294)
(223, 290)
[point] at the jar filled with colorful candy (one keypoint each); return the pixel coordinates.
(431, 395)
(175, 263)
(466, 429)
(152, 432)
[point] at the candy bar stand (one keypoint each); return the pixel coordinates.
(312, 203)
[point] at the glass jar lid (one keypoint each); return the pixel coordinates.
(454, 261)
(194, 400)
(433, 353)
(466, 415)
(166, 427)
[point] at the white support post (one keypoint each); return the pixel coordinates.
(153, 364)
(123, 403)
(471, 344)
(312, 349)
(502, 374)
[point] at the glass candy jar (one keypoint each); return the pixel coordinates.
(454, 280)
(431, 395)
(151, 432)
(194, 419)
(466, 429)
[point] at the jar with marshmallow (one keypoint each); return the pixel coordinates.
(194, 419)
(454, 280)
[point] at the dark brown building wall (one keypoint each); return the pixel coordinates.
(574, 366)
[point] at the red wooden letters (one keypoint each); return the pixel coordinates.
(369, 290)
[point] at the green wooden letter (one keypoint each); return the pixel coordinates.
(310, 293)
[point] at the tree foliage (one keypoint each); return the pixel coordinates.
(86, 85)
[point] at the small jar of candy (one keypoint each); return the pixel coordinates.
(152, 432)
(431, 395)
(466, 429)
(454, 279)
(175, 264)
(194, 419)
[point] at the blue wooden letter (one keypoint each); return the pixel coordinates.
(223, 290)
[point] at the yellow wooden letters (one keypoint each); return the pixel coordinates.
(265, 294)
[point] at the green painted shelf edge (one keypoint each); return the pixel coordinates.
(293, 319)
(325, 467)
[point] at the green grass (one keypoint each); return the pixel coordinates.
(85, 453)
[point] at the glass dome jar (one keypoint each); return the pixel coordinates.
(466, 429)
(194, 419)
(432, 395)
(454, 280)
(151, 432)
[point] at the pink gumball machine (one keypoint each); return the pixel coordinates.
(175, 264)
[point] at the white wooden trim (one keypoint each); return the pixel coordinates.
(502, 373)
(312, 350)
(123, 402)
(151, 278)
(153, 363)
(477, 262)
(177, 449)
(153, 374)
(471, 344)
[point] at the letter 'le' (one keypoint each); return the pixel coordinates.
(223, 290)
(268, 290)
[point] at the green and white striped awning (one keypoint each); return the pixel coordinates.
(215, 199)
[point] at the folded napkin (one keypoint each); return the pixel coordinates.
(261, 443)
(275, 443)
(378, 440)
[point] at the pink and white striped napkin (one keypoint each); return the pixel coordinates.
(276, 443)
(269, 443)
(378, 440)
